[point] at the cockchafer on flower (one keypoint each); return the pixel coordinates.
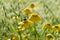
(25, 23)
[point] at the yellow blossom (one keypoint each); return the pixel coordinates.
(25, 23)
(56, 27)
(32, 5)
(34, 17)
(27, 11)
(13, 37)
(48, 26)
(49, 37)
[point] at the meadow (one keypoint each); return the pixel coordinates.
(29, 19)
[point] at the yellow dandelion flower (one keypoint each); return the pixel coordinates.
(32, 5)
(49, 37)
(26, 23)
(27, 11)
(56, 27)
(34, 17)
(13, 37)
(48, 26)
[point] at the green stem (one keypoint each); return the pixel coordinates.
(20, 36)
(35, 32)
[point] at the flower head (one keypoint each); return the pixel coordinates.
(25, 23)
(49, 37)
(34, 17)
(56, 27)
(48, 26)
(13, 37)
(32, 5)
(27, 11)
